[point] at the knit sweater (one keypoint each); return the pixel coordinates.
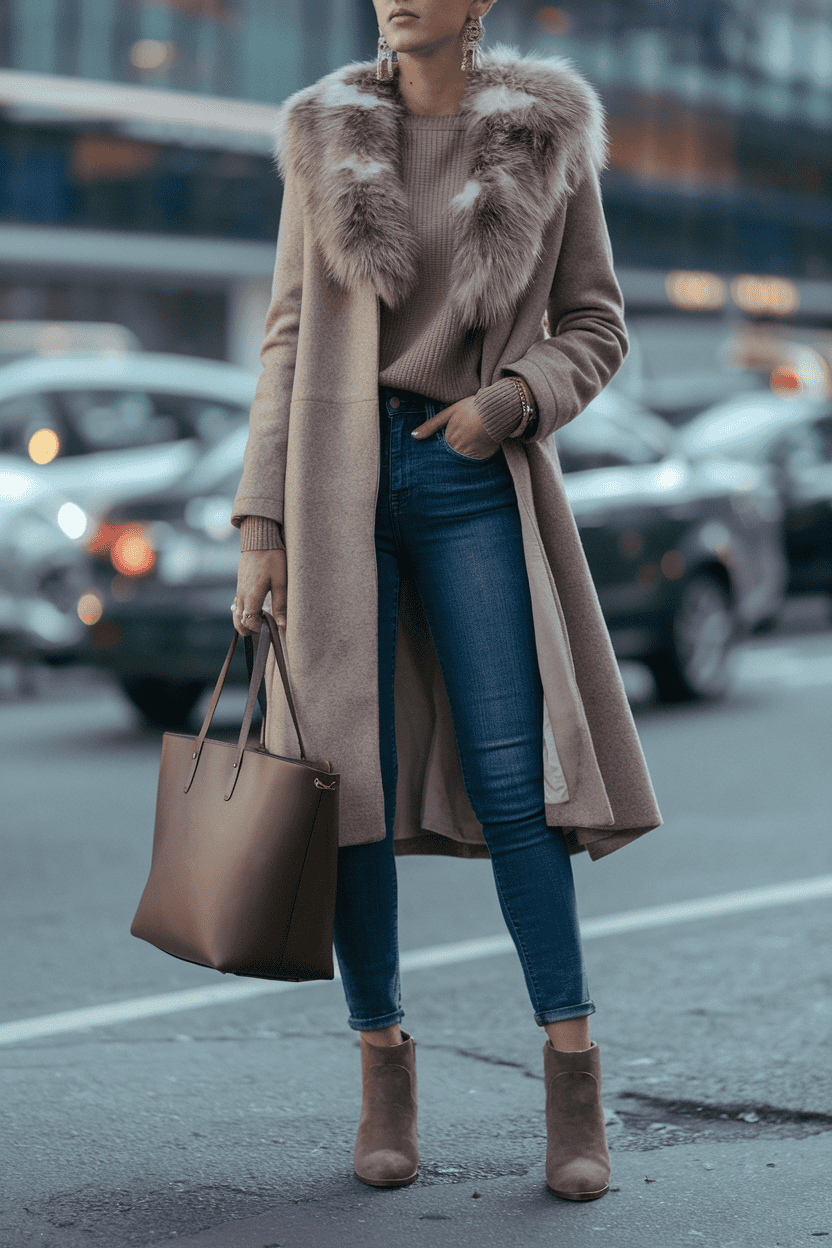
(421, 347)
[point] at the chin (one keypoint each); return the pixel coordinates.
(405, 46)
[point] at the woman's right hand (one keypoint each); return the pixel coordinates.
(261, 572)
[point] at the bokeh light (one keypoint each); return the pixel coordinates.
(150, 54)
(72, 519)
(102, 540)
(773, 296)
(132, 554)
(44, 446)
(90, 608)
(785, 381)
(702, 291)
(673, 564)
(552, 20)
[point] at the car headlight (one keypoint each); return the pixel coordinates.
(72, 520)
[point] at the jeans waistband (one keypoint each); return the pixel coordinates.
(408, 399)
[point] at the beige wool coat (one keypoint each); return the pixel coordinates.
(531, 239)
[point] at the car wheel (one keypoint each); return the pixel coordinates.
(166, 703)
(695, 665)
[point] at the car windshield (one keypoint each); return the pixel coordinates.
(612, 433)
(221, 468)
(21, 339)
(45, 426)
(748, 424)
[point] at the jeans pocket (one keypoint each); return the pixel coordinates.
(466, 459)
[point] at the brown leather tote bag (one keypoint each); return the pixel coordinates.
(245, 848)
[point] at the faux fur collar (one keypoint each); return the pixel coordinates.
(535, 128)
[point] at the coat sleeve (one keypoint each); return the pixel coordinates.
(260, 492)
(585, 311)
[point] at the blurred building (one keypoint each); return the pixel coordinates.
(136, 182)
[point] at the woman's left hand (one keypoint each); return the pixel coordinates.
(464, 431)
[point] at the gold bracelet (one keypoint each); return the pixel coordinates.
(528, 409)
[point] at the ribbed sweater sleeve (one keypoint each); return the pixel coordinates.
(260, 533)
(500, 408)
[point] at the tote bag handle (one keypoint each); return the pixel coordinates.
(269, 636)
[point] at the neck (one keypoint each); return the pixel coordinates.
(432, 82)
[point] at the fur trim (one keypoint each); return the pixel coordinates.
(536, 129)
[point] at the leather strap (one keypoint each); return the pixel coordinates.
(253, 689)
(209, 714)
(280, 657)
(269, 636)
(261, 692)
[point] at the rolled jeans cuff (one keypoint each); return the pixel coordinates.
(563, 1012)
(376, 1024)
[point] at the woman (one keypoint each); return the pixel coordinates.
(402, 503)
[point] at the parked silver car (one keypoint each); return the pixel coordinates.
(80, 434)
(685, 558)
(101, 428)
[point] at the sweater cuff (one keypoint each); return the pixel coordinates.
(500, 409)
(260, 533)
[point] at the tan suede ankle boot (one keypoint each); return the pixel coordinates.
(577, 1161)
(386, 1148)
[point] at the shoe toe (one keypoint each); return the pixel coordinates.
(387, 1168)
(581, 1179)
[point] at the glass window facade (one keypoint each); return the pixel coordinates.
(248, 49)
(769, 57)
(91, 176)
(719, 115)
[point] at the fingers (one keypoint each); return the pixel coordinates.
(464, 430)
(246, 616)
(261, 572)
(279, 604)
(436, 422)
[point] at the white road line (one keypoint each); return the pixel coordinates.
(417, 959)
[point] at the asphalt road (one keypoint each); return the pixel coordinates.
(231, 1126)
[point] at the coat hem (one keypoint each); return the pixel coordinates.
(597, 842)
(436, 843)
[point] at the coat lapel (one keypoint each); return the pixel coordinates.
(535, 128)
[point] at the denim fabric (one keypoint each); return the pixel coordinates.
(453, 523)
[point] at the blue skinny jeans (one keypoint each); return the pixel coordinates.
(453, 522)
